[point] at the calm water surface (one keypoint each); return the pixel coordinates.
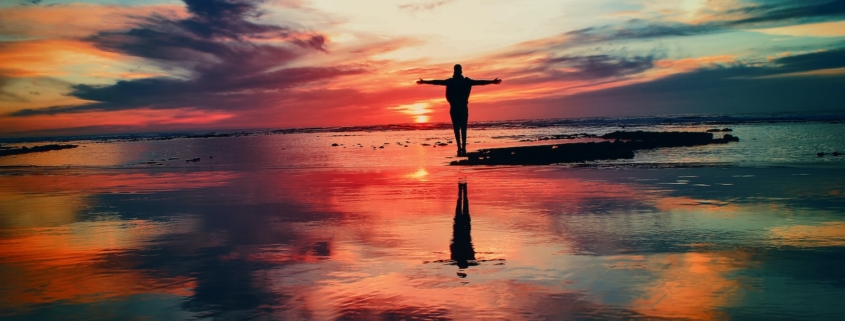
(289, 227)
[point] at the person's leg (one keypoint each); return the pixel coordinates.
(456, 126)
(464, 120)
(464, 136)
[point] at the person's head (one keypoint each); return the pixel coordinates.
(458, 70)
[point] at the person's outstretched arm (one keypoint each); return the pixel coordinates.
(486, 82)
(438, 82)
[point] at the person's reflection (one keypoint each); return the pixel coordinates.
(462, 252)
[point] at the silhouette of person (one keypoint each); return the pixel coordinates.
(457, 93)
(461, 248)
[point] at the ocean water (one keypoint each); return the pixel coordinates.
(283, 225)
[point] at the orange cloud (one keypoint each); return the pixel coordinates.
(49, 57)
(719, 10)
(76, 20)
(135, 118)
(690, 64)
(822, 29)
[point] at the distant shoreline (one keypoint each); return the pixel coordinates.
(604, 122)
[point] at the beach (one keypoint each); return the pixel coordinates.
(288, 226)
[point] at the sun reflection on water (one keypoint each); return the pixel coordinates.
(420, 174)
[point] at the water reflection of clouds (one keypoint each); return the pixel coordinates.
(690, 285)
(84, 262)
(109, 182)
(803, 236)
(53, 249)
(546, 218)
(324, 244)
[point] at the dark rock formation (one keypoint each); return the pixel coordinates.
(623, 147)
(36, 149)
(548, 154)
(716, 130)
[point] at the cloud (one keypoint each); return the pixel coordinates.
(110, 121)
(821, 29)
(244, 60)
(591, 67)
(638, 29)
(17, 58)
(74, 20)
(719, 88)
(805, 10)
(758, 14)
(813, 61)
(417, 6)
(230, 59)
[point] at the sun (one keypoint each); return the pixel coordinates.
(418, 111)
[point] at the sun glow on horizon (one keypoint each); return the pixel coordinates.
(419, 111)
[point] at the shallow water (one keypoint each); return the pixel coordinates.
(289, 227)
(761, 144)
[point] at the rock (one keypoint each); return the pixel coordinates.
(820, 154)
(35, 149)
(836, 154)
(381, 146)
(192, 160)
(620, 145)
(727, 130)
(335, 145)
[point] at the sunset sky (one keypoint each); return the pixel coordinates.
(120, 66)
